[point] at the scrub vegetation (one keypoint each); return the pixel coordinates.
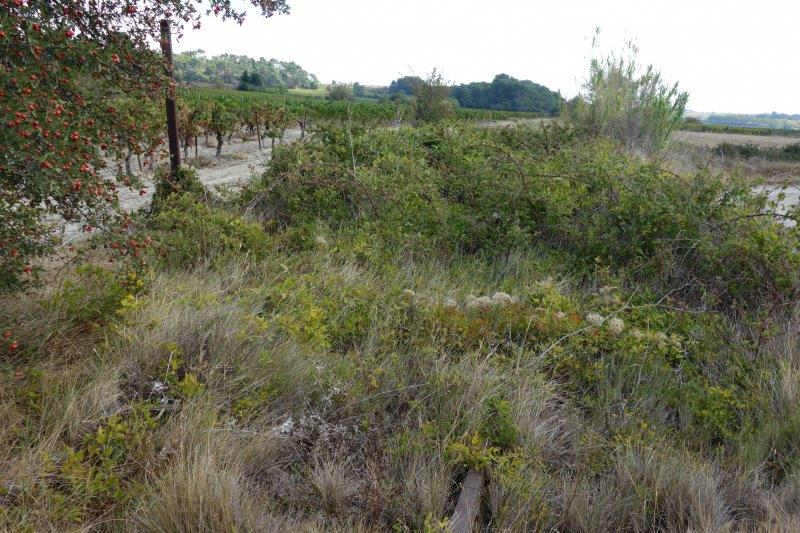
(612, 345)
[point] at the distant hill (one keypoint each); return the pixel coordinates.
(195, 68)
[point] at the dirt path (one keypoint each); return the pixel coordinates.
(240, 162)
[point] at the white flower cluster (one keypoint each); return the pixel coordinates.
(498, 299)
(595, 319)
(615, 325)
(472, 302)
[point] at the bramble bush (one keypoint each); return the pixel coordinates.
(460, 189)
(188, 232)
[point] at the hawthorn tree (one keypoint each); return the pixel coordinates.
(64, 65)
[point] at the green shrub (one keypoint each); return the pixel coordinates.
(457, 189)
(431, 99)
(189, 233)
(97, 295)
(789, 152)
(628, 104)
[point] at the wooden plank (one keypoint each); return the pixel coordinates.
(465, 517)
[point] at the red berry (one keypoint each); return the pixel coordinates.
(13, 346)
(7, 334)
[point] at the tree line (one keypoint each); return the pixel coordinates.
(241, 71)
(504, 93)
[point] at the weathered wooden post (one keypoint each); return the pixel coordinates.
(172, 121)
(465, 517)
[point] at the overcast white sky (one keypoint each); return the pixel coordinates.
(731, 55)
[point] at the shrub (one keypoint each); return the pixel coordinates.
(623, 102)
(188, 232)
(431, 102)
(96, 296)
(340, 91)
(444, 189)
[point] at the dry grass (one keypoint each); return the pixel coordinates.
(205, 471)
(712, 140)
(686, 157)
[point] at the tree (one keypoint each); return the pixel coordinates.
(628, 103)
(432, 103)
(255, 80)
(406, 85)
(509, 94)
(63, 66)
(339, 91)
(193, 66)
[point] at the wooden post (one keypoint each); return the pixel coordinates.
(465, 518)
(172, 121)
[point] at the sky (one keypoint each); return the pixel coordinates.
(730, 55)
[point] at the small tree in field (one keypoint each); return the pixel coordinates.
(339, 91)
(64, 65)
(629, 103)
(432, 99)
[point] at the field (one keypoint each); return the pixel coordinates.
(714, 139)
(319, 92)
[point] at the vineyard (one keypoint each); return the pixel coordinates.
(223, 115)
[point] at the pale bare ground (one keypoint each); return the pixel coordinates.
(515, 122)
(239, 163)
(712, 139)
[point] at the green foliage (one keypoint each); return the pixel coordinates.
(431, 103)
(186, 183)
(194, 67)
(64, 72)
(509, 94)
(189, 387)
(339, 91)
(789, 152)
(188, 232)
(83, 482)
(500, 429)
(692, 124)
(627, 104)
(97, 295)
(470, 190)
(406, 85)
(783, 123)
